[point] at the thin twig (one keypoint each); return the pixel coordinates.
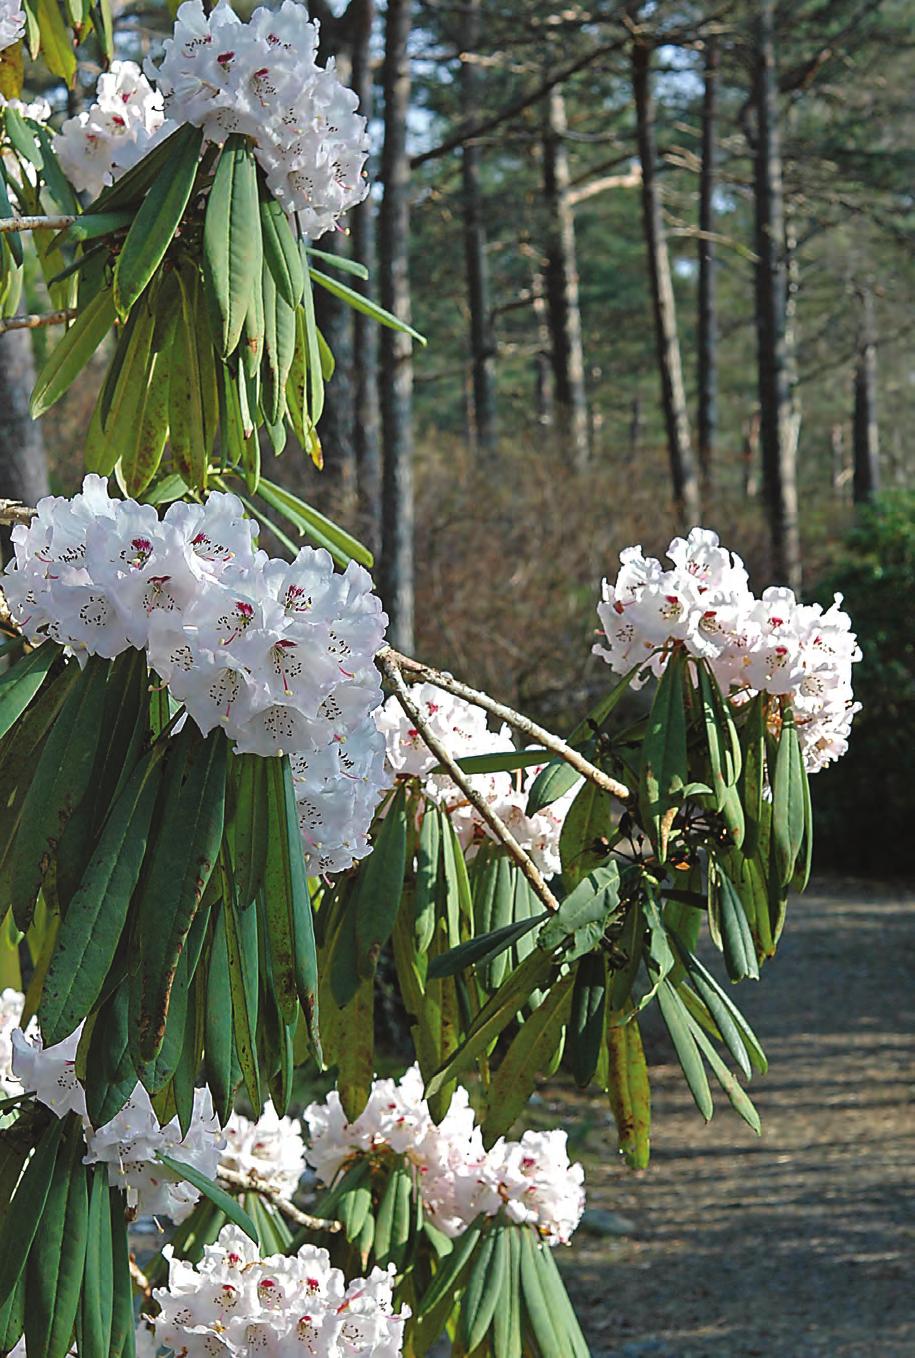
(8, 224)
(516, 719)
(33, 322)
(139, 1278)
(13, 511)
(231, 1179)
(390, 662)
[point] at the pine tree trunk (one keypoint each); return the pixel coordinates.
(779, 453)
(482, 339)
(366, 414)
(673, 397)
(23, 465)
(562, 300)
(396, 349)
(708, 320)
(866, 428)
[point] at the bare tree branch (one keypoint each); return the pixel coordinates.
(232, 1179)
(33, 322)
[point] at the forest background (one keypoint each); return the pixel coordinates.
(662, 254)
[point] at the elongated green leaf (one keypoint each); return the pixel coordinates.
(739, 948)
(739, 1099)
(449, 1275)
(98, 1279)
(710, 995)
(21, 136)
(72, 352)
(285, 875)
(242, 954)
(228, 1205)
(54, 1273)
(718, 1001)
(537, 1308)
(56, 43)
(788, 801)
(428, 868)
(484, 1288)
(27, 1207)
(218, 1045)
(250, 826)
(584, 838)
(20, 684)
(341, 545)
(340, 262)
(92, 927)
(359, 302)
(551, 783)
(585, 913)
(12, 238)
(663, 767)
(478, 950)
(381, 886)
(676, 1020)
(92, 225)
(564, 1317)
(232, 241)
(629, 1092)
(59, 784)
(587, 1017)
(110, 1074)
(157, 220)
(191, 413)
(281, 252)
(513, 1082)
(181, 859)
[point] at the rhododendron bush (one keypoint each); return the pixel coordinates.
(227, 802)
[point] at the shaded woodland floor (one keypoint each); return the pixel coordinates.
(801, 1243)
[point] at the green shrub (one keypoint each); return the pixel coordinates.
(865, 803)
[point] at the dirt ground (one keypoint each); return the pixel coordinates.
(801, 1243)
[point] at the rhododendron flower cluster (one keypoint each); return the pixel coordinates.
(772, 644)
(130, 1142)
(261, 79)
(462, 729)
(269, 1151)
(234, 1302)
(117, 130)
(12, 22)
(531, 1179)
(277, 654)
(12, 1003)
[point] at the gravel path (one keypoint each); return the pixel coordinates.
(801, 1243)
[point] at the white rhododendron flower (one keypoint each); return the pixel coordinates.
(12, 22)
(234, 1302)
(278, 654)
(49, 1072)
(269, 1151)
(12, 1003)
(126, 120)
(261, 79)
(38, 110)
(774, 644)
(461, 727)
(533, 1180)
(129, 1143)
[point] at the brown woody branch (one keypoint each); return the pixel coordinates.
(32, 322)
(248, 1184)
(58, 223)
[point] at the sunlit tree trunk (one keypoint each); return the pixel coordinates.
(707, 424)
(482, 340)
(866, 434)
(682, 462)
(562, 300)
(23, 465)
(779, 451)
(367, 417)
(396, 349)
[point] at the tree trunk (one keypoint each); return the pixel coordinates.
(837, 449)
(708, 321)
(366, 415)
(682, 463)
(23, 465)
(779, 454)
(562, 301)
(543, 371)
(396, 348)
(866, 430)
(482, 339)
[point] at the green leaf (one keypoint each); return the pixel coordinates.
(788, 801)
(716, 1003)
(285, 879)
(20, 684)
(676, 1020)
(587, 1017)
(232, 251)
(484, 1288)
(123, 1321)
(449, 1275)
(110, 1074)
(59, 783)
(564, 1318)
(98, 1278)
(478, 950)
(381, 886)
(281, 252)
(585, 913)
(242, 954)
(56, 43)
(359, 302)
(342, 546)
(54, 1273)
(92, 927)
(513, 1082)
(537, 1308)
(738, 946)
(340, 262)
(27, 1206)
(12, 238)
(179, 863)
(141, 453)
(228, 1205)
(584, 838)
(157, 220)
(21, 136)
(250, 823)
(428, 870)
(629, 1091)
(506, 761)
(551, 783)
(192, 399)
(739, 1099)
(218, 1035)
(663, 765)
(72, 352)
